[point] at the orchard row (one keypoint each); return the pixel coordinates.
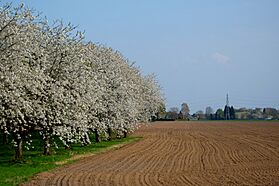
(54, 81)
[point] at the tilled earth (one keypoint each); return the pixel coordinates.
(182, 153)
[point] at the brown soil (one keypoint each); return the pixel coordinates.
(182, 153)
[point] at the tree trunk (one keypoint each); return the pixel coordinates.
(109, 134)
(85, 140)
(125, 134)
(67, 144)
(97, 136)
(18, 150)
(46, 145)
(5, 138)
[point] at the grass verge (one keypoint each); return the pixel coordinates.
(12, 173)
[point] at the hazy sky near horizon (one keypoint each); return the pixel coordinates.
(200, 50)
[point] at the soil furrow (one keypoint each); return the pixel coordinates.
(182, 153)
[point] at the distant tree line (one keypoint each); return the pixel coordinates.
(174, 113)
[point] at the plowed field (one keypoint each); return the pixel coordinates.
(182, 153)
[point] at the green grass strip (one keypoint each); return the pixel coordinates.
(12, 173)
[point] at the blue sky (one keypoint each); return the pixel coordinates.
(200, 50)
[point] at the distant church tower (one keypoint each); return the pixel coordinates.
(227, 109)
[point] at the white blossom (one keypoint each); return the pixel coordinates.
(54, 81)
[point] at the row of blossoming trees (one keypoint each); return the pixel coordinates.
(53, 81)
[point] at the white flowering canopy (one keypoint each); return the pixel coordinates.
(52, 80)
